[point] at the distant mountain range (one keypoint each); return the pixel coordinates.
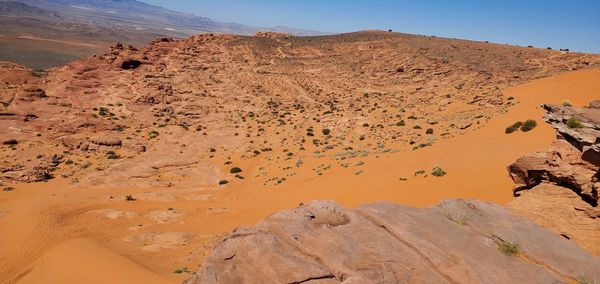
(129, 15)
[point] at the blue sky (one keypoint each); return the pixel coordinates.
(573, 24)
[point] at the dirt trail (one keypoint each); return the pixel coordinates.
(55, 237)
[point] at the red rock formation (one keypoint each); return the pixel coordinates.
(559, 188)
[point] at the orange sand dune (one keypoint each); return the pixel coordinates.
(49, 234)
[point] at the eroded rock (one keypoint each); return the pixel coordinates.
(453, 242)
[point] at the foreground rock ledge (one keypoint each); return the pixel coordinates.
(453, 242)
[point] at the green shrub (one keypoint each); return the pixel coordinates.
(507, 247)
(429, 131)
(326, 131)
(528, 125)
(573, 122)
(235, 170)
(153, 134)
(513, 127)
(438, 172)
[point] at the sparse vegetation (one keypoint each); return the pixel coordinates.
(235, 170)
(438, 172)
(513, 127)
(507, 247)
(8, 188)
(419, 172)
(181, 270)
(326, 131)
(223, 182)
(573, 122)
(153, 134)
(129, 197)
(429, 131)
(567, 103)
(528, 125)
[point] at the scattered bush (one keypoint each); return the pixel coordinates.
(419, 172)
(129, 197)
(438, 172)
(400, 123)
(235, 170)
(513, 127)
(429, 131)
(511, 98)
(10, 142)
(417, 127)
(153, 134)
(326, 131)
(111, 155)
(223, 182)
(8, 188)
(567, 103)
(528, 125)
(573, 122)
(507, 247)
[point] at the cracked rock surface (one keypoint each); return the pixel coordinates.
(457, 241)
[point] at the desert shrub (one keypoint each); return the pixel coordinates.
(567, 103)
(507, 247)
(223, 182)
(511, 98)
(429, 131)
(417, 127)
(129, 197)
(10, 142)
(326, 131)
(438, 172)
(112, 155)
(235, 170)
(513, 127)
(528, 125)
(8, 188)
(573, 122)
(400, 123)
(419, 172)
(153, 134)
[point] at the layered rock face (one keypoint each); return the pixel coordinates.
(559, 188)
(457, 241)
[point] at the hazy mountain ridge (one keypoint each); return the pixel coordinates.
(139, 16)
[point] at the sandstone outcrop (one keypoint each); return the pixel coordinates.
(559, 188)
(457, 241)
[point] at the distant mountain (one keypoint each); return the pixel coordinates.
(134, 15)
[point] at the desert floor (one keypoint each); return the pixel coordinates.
(54, 233)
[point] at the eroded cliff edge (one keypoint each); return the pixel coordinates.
(559, 188)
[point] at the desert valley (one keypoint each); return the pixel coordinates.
(278, 157)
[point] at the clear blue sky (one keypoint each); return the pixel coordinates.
(573, 24)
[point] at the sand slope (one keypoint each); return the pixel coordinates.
(57, 236)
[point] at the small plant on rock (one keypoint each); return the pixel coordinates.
(507, 247)
(567, 103)
(573, 122)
